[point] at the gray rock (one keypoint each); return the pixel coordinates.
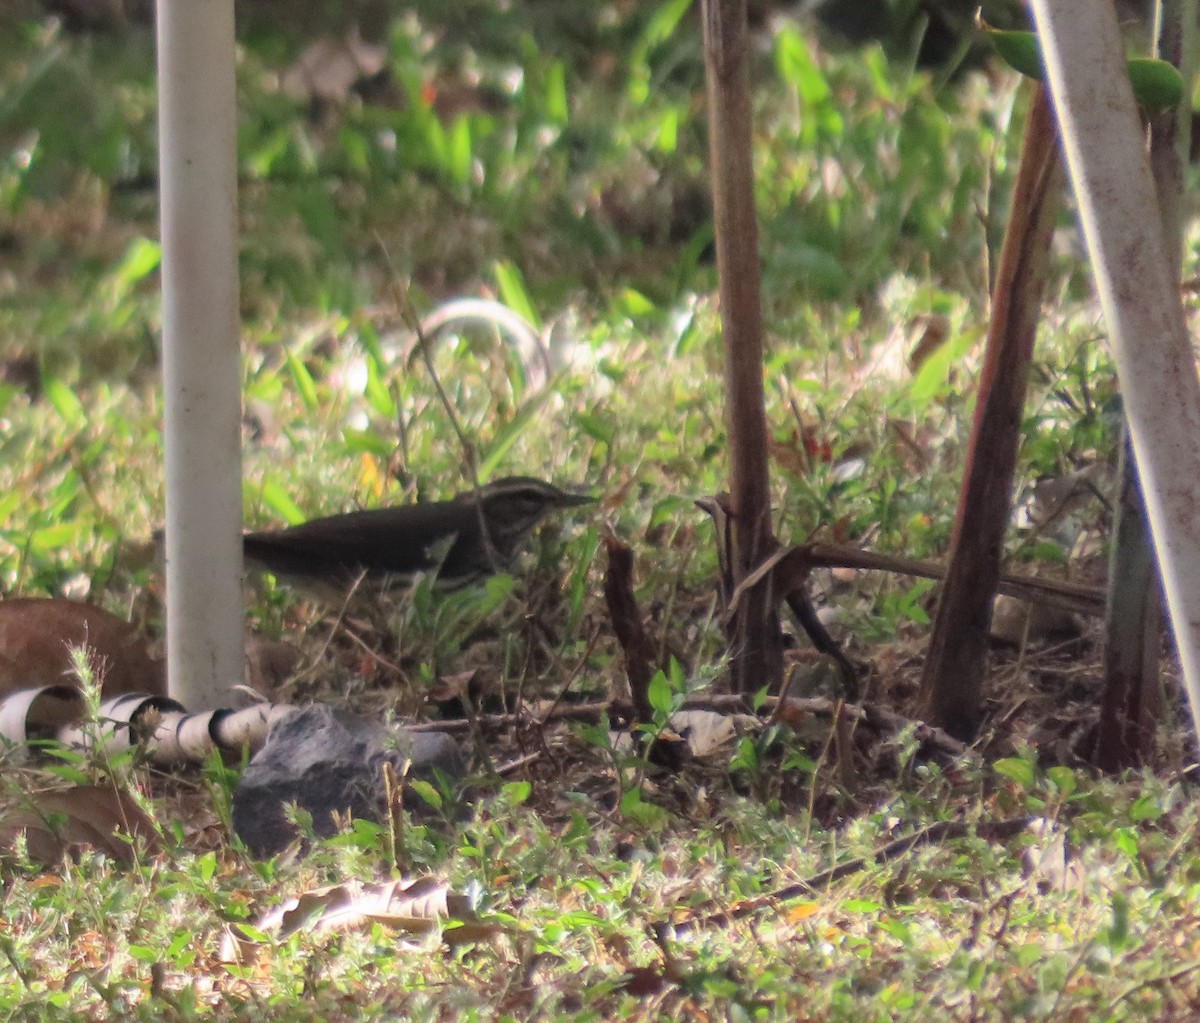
(328, 761)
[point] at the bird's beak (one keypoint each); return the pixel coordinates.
(575, 500)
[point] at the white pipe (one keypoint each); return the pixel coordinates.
(201, 373)
(1106, 155)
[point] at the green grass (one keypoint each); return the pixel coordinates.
(570, 180)
(961, 929)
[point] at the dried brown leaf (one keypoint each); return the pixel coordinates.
(36, 636)
(58, 823)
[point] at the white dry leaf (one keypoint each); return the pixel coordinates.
(705, 731)
(418, 907)
(1046, 861)
(708, 731)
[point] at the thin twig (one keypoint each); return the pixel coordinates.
(591, 644)
(340, 618)
(812, 785)
(375, 655)
(878, 718)
(409, 315)
(512, 766)
(940, 831)
(1166, 978)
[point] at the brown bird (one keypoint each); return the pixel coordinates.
(465, 539)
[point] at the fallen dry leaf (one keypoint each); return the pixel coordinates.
(36, 637)
(415, 907)
(1046, 861)
(708, 731)
(58, 823)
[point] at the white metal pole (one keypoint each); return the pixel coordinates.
(1106, 154)
(201, 371)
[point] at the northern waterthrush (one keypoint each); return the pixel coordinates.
(465, 539)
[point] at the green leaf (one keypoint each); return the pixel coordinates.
(662, 23)
(458, 151)
(660, 696)
(304, 382)
(615, 372)
(376, 391)
(144, 954)
(1157, 84)
(660, 27)
(634, 304)
(426, 791)
(897, 929)
(861, 906)
(596, 428)
(363, 441)
(797, 68)
(819, 270)
(206, 866)
(141, 258)
(252, 933)
(675, 674)
(1019, 50)
(557, 108)
(932, 380)
(277, 499)
(52, 540)
(745, 755)
(666, 139)
(507, 437)
(496, 591)
(638, 810)
(1118, 931)
(1063, 779)
(64, 401)
(513, 293)
(798, 761)
(1015, 769)
(262, 158)
(1125, 839)
(178, 944)
(317, 213)
(515, 793)
(1145, 808)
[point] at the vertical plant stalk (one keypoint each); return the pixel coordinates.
(629, 626)
(1130, 705)
(792, 589)
(956, 665)
(1138, 281)
(1139, 293)
(757, 654)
